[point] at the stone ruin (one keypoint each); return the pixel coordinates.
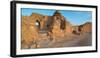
(54, 27)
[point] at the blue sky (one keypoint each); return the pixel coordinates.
(74, 17)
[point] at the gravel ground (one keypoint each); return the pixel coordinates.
(72, 40)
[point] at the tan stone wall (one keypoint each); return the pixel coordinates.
(87, 28)
(43, 22)
(68, 30)
(29, 32)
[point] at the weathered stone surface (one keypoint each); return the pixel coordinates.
(87, 27)
(29, 32)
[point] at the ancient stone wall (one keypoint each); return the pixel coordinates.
(29, 32)
(87, 27)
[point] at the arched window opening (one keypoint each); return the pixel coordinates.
(37, 24)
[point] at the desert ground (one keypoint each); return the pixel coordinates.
(72, 40)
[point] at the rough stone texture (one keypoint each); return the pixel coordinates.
(87, 27)
(29, 32)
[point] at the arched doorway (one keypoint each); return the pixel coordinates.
(37, 24)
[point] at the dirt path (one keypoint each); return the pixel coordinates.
(67, 41)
